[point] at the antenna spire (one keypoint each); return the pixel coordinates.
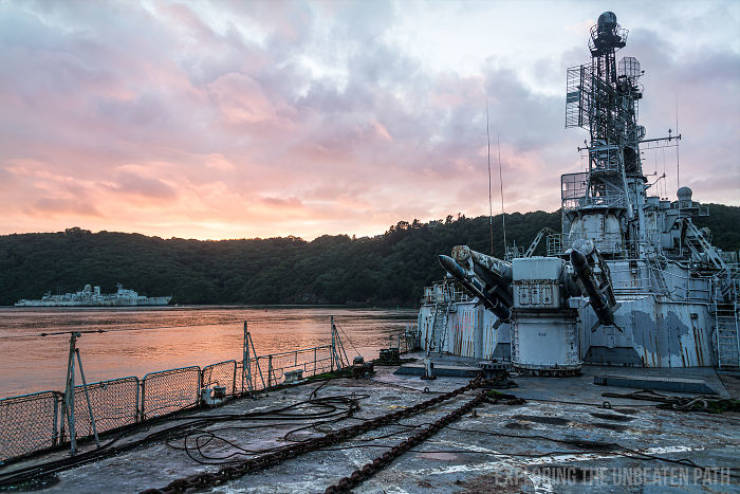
(678, 161)
(490, 197)
(501, 183)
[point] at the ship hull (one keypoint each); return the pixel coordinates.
(664, 319)
(469, 332)
(39, 303)
(650, 333)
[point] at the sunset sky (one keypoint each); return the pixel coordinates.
(244, 119)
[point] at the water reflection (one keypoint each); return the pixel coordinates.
(170, 337)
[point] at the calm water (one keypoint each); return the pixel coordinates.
(164, 338)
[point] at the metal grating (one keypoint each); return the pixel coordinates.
(578, 96)
(573, 188)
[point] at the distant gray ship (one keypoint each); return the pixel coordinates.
(91, 296)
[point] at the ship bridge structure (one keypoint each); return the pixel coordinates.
(629, 281)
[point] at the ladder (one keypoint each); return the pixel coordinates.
(702, 250)
(449, 307)
(554, 245)
(439, 326)
(727, 334)
(657, 275)
(537, 239)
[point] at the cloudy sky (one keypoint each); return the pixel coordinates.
(244, 119)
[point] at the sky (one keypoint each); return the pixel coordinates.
(220, 119)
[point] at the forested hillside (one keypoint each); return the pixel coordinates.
(388, 269)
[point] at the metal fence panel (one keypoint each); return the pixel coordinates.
(28, 423)
(114, 404)
(311, 361)
(169, 391)
(32, 422)
(220, 374)
(257, 377)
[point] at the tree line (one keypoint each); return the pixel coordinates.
(389, 269)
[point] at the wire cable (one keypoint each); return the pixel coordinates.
(331, 407)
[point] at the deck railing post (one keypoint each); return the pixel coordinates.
(87, 398)
(256, 360)
(139, 401)
(54, 431)
(246, 364)
(269, 371)
(68, 406)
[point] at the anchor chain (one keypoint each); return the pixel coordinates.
(201, 481)
(346, 484)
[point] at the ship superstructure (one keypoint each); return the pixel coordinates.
(630, 280)
(92, 296)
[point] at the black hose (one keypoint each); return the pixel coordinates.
(330, 407)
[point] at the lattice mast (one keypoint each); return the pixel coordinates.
(602, 97)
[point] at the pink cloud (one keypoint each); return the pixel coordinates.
(63, 207)
(168, 122)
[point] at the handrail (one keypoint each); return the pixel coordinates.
(294, 351)
(183, 388)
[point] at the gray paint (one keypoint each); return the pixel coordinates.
(672, 384)
(613, 356)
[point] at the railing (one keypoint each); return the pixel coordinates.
(443, 292)
(114, 404)
(28, 423)
(169, 391)
(36, 422)
(266, 371)
(220, 374)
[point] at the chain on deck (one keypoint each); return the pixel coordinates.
(201, 481)
(361, 474)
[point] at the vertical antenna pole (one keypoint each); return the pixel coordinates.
(678, 161)
(269, 371)
(501, 182)
(490, 197)
(333, 342)
(246, 364)
(87, 398)
(68, 407)
(256, 361)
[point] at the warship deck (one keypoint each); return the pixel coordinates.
(549, 443)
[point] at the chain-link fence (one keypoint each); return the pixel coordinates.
(288, 366)
(34, 422)
(220, 374)
(409, 340)
(169, 391)
(28, 423)
(114, 403)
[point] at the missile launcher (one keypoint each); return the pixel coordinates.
(629, 281)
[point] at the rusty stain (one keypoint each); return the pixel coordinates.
(657, 351)
(700, 349)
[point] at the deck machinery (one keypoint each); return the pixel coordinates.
(630, 281)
